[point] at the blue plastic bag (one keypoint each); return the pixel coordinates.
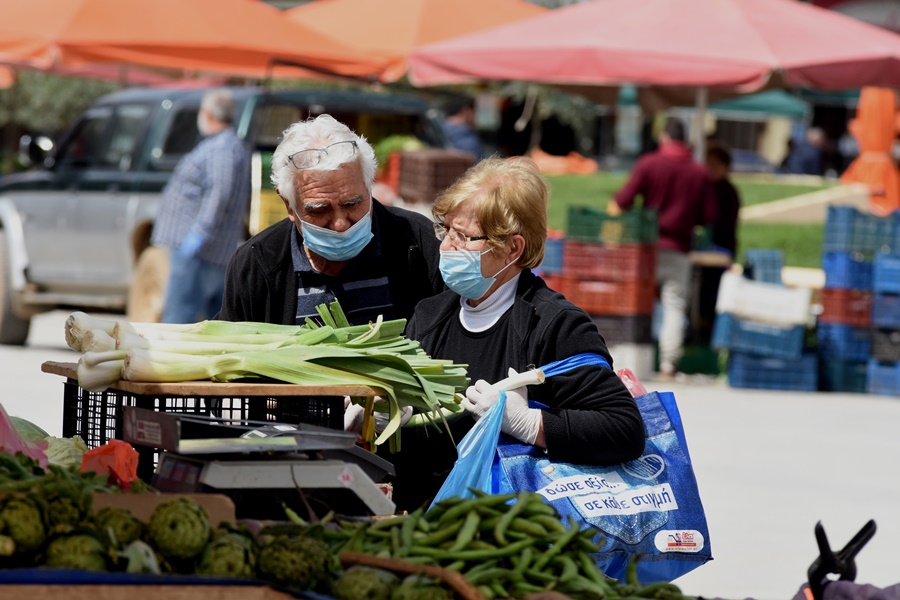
(476, 453)
(649, 507)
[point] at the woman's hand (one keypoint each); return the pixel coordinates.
(519, 421)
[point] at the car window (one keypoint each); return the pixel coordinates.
(182, 135)
(84, 144)
(128, 127)
(272, 120)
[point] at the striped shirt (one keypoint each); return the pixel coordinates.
(208, 194)
(361, 288)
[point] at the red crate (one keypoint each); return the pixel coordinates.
(608, 262)
(611, 297)
(847, 307)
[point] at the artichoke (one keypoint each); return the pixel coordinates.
(120, 525)
(364, 583)
(419, 587)
(65, 498)
(22, 520)
(300, 562)
(179, 529)
(229, 555)
(79, 550)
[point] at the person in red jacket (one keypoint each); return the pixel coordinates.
(682, 194)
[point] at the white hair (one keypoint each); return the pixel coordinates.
(318, 132)
(219, 104)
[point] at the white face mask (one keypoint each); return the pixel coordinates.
(202, 124)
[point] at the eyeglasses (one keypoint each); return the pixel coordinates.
(308, 159)
(456, 238)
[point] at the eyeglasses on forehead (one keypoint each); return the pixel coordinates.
(308, 159)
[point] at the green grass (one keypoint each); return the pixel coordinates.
(800, 243)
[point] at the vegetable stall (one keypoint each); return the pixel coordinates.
(242, 398)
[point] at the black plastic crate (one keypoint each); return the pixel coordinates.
(632, 329)
(886, 345)
(97, 416)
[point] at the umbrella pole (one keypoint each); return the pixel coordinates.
(701, 99)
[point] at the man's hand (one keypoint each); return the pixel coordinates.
(519, 421)
(612, 209)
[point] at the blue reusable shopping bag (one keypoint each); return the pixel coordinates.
(649, 507)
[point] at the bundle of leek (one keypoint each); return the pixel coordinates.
(328, 353)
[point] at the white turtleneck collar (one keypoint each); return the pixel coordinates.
(481, 317)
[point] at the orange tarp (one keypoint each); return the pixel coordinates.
(237, 37)
(394, 28)
(875, 129)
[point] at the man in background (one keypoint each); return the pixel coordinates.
(681, 192)
(805, 155)
(202, 213)
(459, 126)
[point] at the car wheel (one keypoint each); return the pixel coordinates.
(13, 328)
(147, 291)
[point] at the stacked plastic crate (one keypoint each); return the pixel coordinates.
(884, 365)
(853, 243)
(762, 325)
(608, 268)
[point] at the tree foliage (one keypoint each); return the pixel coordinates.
(47, 103)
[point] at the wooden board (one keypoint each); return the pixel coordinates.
(219, 389)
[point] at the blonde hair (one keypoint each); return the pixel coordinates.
(511, 198)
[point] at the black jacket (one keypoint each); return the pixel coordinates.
(592, 418)
(261, 284)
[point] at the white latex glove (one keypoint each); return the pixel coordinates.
(353, 415)
(519, 421)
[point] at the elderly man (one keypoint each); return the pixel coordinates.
(201, 214)
(337, 242)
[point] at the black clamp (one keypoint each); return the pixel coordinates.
(841, 563)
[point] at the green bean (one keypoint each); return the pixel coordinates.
(524, 560)
(397, 548)
(438, 536)
(631, 576)
(507, 550)
(538, 506)
(650, 591)
(558, 545)
(523, 588)
(549, 523)
(498, 589)
(409, 526)
(387, 523)
(523, 525)
(486, 591)
(591, 570)
(507, 518)
(488, 574)
(456, 565)
(569, 568)
(483, 566)
(467, 532)
(480, 545)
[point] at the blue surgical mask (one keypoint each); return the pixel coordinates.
(337, 245)
(461, 270)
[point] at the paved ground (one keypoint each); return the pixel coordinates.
(769, 466)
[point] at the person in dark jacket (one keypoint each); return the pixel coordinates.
(496, 316)
(337, 242)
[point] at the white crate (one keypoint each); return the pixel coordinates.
(764, 302)
(640, 358)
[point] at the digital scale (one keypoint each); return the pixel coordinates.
(261, 464)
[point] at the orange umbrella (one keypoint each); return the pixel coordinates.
(240, 37)
(875, 129)
(394, 28)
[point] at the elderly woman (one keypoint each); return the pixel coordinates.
(498, 315)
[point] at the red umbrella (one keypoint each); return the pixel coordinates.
(393, 28)
(239, 37)
(744, 43)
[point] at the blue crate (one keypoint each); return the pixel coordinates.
(883, 378)
(733, 333)
(872, 233)
(886, 310)
(847, 271)
(763, 264)
(553, 256)
(761, 372)
(844, 342)
(886, 273)
(839, 225)
(843, 376)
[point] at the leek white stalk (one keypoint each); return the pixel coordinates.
(97, 340)
(100, 376)
(93, 359)
(169, 367)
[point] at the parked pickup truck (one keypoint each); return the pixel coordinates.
(75, 233)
